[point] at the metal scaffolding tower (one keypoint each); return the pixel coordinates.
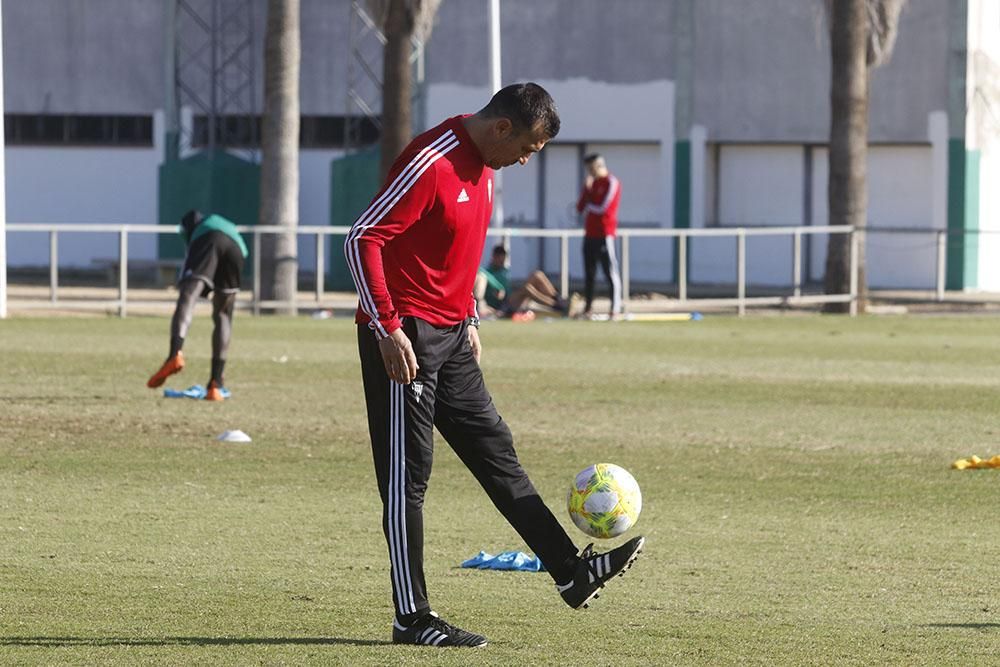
(364, 75)
(211, 70)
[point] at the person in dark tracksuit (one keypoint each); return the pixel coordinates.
(598, 203)
(213, 265)
(414, 254)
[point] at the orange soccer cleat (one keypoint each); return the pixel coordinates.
(174, 364)
(214, 392)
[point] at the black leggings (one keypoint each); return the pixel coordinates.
(601, 249)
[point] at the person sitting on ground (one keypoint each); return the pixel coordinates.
(494, 296)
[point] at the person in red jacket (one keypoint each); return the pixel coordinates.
(599, 205)
(413, 254)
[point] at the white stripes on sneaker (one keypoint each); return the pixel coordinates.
(431, 637)
(601, 566)
(396, 510)
(378, 209)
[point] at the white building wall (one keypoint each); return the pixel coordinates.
(764, 185)
(989, 220)
(983, 131)
(80, 185)
(117, 186)
(756, 185)
(900, 195)
(314, 202)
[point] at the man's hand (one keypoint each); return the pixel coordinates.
(398, 357)
(477, 348)
(587, 182)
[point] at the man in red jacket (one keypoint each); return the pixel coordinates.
(599, 204)
(413, 255)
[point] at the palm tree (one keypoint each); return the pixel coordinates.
(402, 21)
(279, 173)
(862, 36)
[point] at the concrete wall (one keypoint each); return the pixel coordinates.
(762, 72)
(761, 67)
(765, 185)
(107, 56)
(620, 42)
(61, 185)
(900, 191)
(99, 56)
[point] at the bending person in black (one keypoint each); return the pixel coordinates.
(213, 265)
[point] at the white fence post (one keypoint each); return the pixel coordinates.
(682, 266)
(797, 263)
(741, 271)
(626, 273)
(53, 266)
(854, 273)
(256, 272)
(564, 266)
(320, 268)
(942, 263)
(123, 272)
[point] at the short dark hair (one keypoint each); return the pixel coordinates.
(190, 220)
(587, 159)
(524, 105)
(499, 249)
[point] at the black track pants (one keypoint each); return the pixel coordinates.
(601, 251)
(449, 394)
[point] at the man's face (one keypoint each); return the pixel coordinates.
(594, 167)
(512, 147)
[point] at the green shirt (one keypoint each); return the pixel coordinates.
(497, 281)
(216, 223)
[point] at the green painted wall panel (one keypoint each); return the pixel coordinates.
(682, 195)
(353, 182)
(219, 183)
(963, 217)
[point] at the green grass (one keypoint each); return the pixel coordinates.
(798, 500)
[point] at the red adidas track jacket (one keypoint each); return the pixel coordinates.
(416, 248)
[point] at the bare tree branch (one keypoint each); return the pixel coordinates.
(420, 15)
(883, 24)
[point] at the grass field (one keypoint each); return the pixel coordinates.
(798, 500)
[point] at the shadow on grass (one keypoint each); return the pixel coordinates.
(187, 641)
(969, 626)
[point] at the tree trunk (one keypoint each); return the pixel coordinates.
(397, 84)
(848, 188)
(279, 174)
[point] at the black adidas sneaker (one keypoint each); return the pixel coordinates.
(432, 630)
(595, 570)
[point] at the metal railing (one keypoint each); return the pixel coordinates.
(740, 301)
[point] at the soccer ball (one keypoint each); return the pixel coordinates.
(604, 501)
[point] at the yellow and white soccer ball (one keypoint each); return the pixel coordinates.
(605, 500)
